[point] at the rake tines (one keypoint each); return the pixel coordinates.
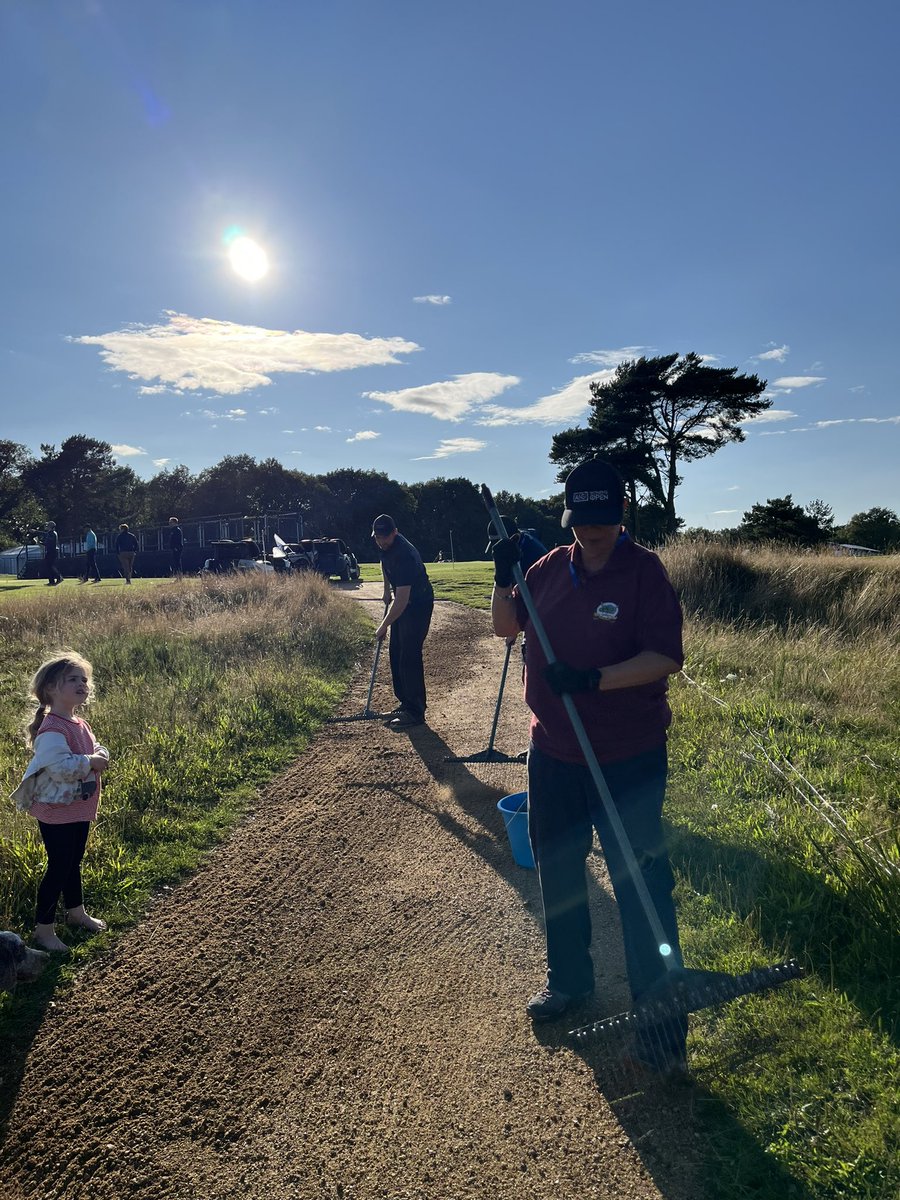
(679, 995)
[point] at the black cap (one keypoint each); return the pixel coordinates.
(509, 524)
(383, 525)
(595, 495)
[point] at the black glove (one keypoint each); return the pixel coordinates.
(564, 680)
(506, 554)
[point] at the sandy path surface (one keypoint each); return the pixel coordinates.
(333, 1005)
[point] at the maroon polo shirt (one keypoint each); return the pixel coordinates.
(595, 621)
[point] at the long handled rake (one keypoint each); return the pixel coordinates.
(490, 755)
(660, 1016)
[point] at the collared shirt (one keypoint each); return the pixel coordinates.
(530, 550)
(403, 567)
(90, 540)
(594, 621)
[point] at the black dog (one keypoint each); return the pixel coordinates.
(18, 961)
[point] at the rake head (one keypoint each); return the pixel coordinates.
(660, 1019)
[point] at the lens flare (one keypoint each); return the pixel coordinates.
(248, 259)
(665, 949)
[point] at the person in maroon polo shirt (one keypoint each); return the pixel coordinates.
(614, 622)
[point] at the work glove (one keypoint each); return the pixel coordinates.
(565, 680)
(505, 554)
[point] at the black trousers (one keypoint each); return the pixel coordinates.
(91, 568)
(407, 671)
(176, 560)
(65, 845)
(54, 575)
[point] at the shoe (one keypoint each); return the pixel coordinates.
(395, 712)
(406, 720)
(549, 1004)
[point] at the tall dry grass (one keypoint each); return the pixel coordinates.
(785, 587)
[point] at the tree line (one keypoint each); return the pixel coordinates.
(652, 416)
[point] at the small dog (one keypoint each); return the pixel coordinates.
(18, 961)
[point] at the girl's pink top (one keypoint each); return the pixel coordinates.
(81, 740)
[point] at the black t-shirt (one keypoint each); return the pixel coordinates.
(176, 538)
(403, 567)
(126, 543)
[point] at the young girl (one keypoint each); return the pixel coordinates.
(61, 788)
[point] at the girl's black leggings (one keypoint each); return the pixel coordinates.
(65, 846)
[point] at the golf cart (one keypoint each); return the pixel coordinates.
(244, 555)
(332, 556)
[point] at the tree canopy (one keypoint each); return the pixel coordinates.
(656, 413)
(781, 520)
(878, 529)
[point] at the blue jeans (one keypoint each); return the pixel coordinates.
(564, 808)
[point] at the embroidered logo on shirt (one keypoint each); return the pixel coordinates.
(607, 611)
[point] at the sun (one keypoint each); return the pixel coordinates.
(248, 259)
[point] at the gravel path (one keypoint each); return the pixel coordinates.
(333, 1005)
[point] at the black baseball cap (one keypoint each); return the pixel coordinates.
(509, 524)
(595, 495)
(383, 525)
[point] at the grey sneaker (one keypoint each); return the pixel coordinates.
(549, 1004)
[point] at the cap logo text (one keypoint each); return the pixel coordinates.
(587, 497)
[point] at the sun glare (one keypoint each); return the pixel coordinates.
(248, 259)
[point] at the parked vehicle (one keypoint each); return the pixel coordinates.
(244, 555)
(332, 556)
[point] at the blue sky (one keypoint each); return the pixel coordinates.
(469, 210)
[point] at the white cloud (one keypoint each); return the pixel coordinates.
(125, 451)
(860, 387)
(322, 428)
(200, 353)
(296, 452)
(161, 462)
(287, 431)
(450, 446)
(210, 414)
(364, 435)
(788, 382)
(837, 421)
(724, 512)
(770, 414)
(155, 390)
(735, 487)
(450, 399)
(566, 404)
(776, 354)
(432, 300)
(610, 358)
(267, 412)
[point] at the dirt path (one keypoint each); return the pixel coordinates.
(333, 1006)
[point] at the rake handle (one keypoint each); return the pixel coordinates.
(588, 751)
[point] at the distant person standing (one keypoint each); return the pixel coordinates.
(176, 545)
(90, 554)
(530, 548)
(49, 539)
(409, 598)
(126, 548)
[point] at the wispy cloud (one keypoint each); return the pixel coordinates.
(735, 487)
(161, 462)
(565, 404)
(769, 415)
(451, 446)
(724, 512)
(834, 421)
(124, 451)
(440, 300)
(787, 383)
(450, 399)
(776, 354)
(210, 414)
(322, 429)
(610, 358)
(364, 435)
(202, 354)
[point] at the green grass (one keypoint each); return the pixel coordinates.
(466, 583)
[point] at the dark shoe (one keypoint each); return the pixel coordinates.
(395, 712)
(549, 1005)
(406, 720)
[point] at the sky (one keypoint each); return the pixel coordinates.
(407, 236)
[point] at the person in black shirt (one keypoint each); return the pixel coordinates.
(126, 548)
(50, 541)
(176, 545)
(409, 598)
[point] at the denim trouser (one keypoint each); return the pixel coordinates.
(564, 808)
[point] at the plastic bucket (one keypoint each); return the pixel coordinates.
(515, 816)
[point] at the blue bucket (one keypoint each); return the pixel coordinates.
(515, 816)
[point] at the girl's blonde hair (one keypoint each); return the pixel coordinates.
(47, 677)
